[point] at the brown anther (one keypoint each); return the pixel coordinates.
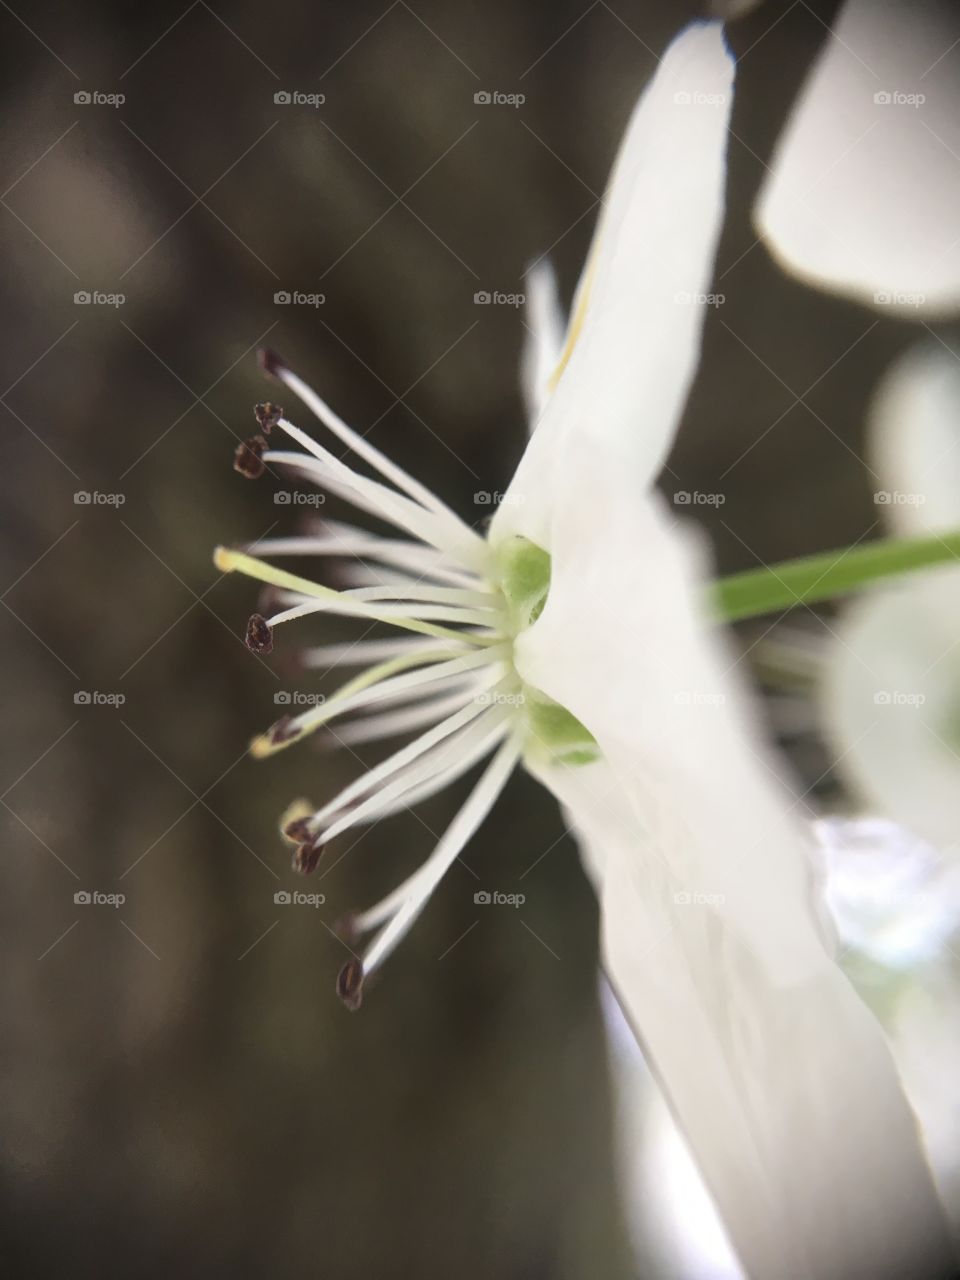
(248, 457)
(259, 635)
(306, 857)
(350, 984)
(270, 362)
(298, 831)
(268, 415)
(346, 928)
(283, 731)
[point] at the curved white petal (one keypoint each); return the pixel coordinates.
(544, 328)
(890, 694)
(915, 440)
(778, 1076)
(891, 703)
(639, 312)
(865, 184)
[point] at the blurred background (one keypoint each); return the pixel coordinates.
(182, 1091)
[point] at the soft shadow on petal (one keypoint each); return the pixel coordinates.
(628, 373)
(865, 185)
(890, 694)
(712, 935)
(544, 328)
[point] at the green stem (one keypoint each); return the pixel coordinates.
(810, 579)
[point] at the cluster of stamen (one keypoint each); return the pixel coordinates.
(449, 676)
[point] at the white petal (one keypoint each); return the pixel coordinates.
(544, 327)
(890, 694)
(775, 1070)
(865, 186)
(891, 703)
(629, 371)
(915, 441)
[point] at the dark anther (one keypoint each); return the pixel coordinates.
(248, 457)
(268, 415)
(259, 635)
(306, 857)
(283, 731)
(350, 984)
(270, 362)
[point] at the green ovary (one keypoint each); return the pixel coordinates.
(554, 732)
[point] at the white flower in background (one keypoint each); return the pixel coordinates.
(865, 183)
(891, 689)
(572, 638)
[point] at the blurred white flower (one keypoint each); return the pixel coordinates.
(891, 689)
(864, 189)
(574, 636)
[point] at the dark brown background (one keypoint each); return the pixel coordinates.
(182, 1093)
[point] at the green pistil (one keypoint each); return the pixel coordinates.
(525, 582)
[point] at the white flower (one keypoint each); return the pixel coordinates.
(891, 691)
(572, 637)
(863, 193)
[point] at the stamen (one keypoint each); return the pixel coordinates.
(268, 415)
(259, 635)
(401, 759)
(422, 884)
(248, 458)
(370, 686)
(229, 561)
(370, 454)
(350, 984)
(460, 749)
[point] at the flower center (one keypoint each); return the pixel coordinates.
(448, 678)
(553, 732)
